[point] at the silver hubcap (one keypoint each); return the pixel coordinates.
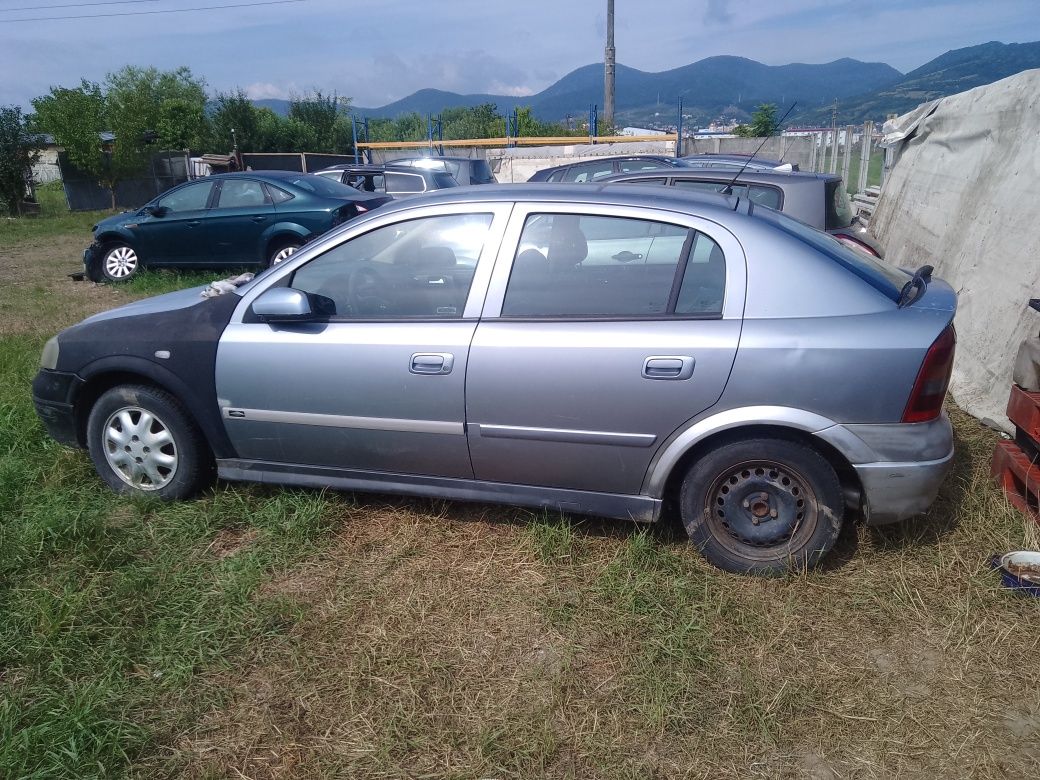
(121, 262)
(283, 254)
(140, 448)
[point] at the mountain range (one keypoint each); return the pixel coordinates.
(734, 86)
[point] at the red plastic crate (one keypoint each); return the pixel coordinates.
(1018, 476)
(1023, 410)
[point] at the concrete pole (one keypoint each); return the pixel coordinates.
(846, 161)
(608, 68)
(864, 155)
(812, 152)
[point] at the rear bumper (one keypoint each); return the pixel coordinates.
(54, 395)
(900, 466)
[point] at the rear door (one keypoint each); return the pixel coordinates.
(578, 374)
(242, 212)
(380, 386)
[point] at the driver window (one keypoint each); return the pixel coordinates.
(193, 197)
(416, 268)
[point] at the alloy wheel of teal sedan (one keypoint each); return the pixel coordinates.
(120, 262)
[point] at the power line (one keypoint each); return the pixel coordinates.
(70, 5)
(145, 13)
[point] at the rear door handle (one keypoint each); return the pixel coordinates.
(194, 223)
(432, 363)
(668, 367)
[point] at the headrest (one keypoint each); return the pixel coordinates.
(434, 257)
(567, 244)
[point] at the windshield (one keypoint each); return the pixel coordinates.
(884, 278)
(321, 185)
(839, 210)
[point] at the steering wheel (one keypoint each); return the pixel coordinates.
(366, 292)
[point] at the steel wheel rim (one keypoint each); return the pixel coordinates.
(741, 502)
(121, 262)
(139, 448)
(283, 254)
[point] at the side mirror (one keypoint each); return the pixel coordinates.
(283, 304)
(157, 211)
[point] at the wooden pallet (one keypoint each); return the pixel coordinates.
(1014, 466)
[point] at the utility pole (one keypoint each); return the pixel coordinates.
(608, 68)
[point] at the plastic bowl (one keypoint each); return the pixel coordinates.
(1017, 580)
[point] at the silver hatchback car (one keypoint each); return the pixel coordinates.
(600, 350)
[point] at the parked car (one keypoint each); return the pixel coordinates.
(594, 170)
(582, 349)
(818, 199)
(254, 218)
(395, 181)
(465, 170)
(738, 161)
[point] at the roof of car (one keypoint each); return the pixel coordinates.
(438, 157)
(260, 174)
(667, 198)
(370, 168)
(756, 175)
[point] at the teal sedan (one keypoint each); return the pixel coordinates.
(252, 218)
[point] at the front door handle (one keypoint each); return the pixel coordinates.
(259, 219)
(432, 363)
(194, 223)
(668, 367)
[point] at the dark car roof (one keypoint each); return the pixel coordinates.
(281, 178)
(371, 168)
(667, 198)
(731, 157)
(754, 175)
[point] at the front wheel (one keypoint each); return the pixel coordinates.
(762, 506)
(143, 442)
(119, 262)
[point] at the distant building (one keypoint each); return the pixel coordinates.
(640, 131)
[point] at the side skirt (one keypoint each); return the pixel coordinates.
(642, 509)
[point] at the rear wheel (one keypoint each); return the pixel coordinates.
(143, 442)
(762, 506)
(282, 251)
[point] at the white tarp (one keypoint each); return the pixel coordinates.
(964, 196)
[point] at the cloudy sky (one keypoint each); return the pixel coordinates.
(376, 52)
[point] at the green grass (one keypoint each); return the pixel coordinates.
(55, 219)
(110, 607)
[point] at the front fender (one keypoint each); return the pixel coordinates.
(203, 409)
(682, 441)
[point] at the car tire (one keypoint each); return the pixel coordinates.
(115, 261)
(764, 506)
(281, 251)
(143, 442)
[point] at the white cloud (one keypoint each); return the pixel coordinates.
(513, 90)
(262, 90)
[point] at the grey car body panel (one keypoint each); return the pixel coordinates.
(525, 416)
(181, 299)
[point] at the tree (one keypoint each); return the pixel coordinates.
(763, 123)
(76, 118)
(19, 149)
(325, 117)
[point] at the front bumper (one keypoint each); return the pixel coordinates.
(54, 394)
(900, 466)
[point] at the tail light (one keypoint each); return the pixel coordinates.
(926, 399)
(854, 243)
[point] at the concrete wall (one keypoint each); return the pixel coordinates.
(962, 196)
(519, 162)
(796, 149)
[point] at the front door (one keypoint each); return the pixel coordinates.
(178, 236)
(579, 373)
(380, 386)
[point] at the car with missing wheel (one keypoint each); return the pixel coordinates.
(607, 350)
(230, 220)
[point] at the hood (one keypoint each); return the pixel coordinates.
(116, 220)
(181, 299)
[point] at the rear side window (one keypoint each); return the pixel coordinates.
(480, 172)
(589, 171)
(884, 278)
(277, 194)
(583, 266)
(404, 182)
(757, 193)
(445, 180)
(839, 210)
